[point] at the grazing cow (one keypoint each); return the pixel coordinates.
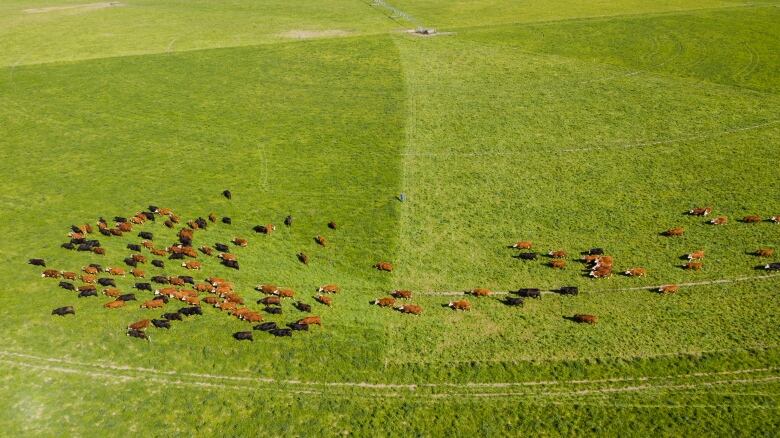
(303, 258)
(281, 332)
(569, 290)
(173, 316)
(332, 225)
(527, 256)
(176, 281)
(303, 307)
(189, 311)
(324, 299)
(148, 244)
(160, 279)
(320, 240)
(636, 272)
(143, 286)
(227, 256)
(384, 266)
(460, 305)
(67, 286)
(87, 293)
(385, 302)
(669, 289)
(523, 244)
(62, 311)
(329, 288)
(191, 264)
(559, 254)
(226, 305)
(596, 251)
(264, 229)
(751, 219)
(603, 261)
(159, 252)
(217, 281)
(129, 261)
(112, 292)
(601, 272)
(162, 298)
(127, 297)
(140, 325)
(37, 262)
(221, 247)
(153, 304)
(270, 301)
(158, 264)
(513, 301)
(696, 255)
(168, 223)
(298, 327)
(137, 273)
(50, 273)
(243, 336)
(775, 219)
(88, 278)
(176, 256)
(700, 211)
(206, 250)
(402, 294)
(204, 287)
(193, 225)
(557, 263)
(175, 219)
(285, 293)
(86, 287)
(273, 310)
(772, 267)
(146, 235)
(720, 220)
(231, 264)
(193, 301)
(114, 304)
(227, 194)
(480, 292)
(227, 221)
(138, 258)
(529, 292)
(585, 319)
(288, 220)
(96, 266)
(138, 219)
(134, 247)
(68, 275)
(266, 326)
(124, 227)
(140, 334)
(107, 282)
(693, 266)
(68, 245)
(201, 222)
(211, 300)
(115, 271)
(410, 308)
(161, 323)
(765, 252)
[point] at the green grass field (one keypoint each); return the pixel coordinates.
(571, 124)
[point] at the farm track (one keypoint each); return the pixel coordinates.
(112, 374)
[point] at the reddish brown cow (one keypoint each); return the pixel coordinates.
(720, 220)
(310, 320)
(765, 252)
(139, 258)
(385, 302)
(153, 304)
(751, 219)
(696, 255)
(90, 270)
(211, 300)
(675, 232)
(700, 211)
(87, 278)
(98, 250)
(226, 305)
(412, 309)
(403, 294)
(523, 244)
(148, 244)
(68, 275)
(585, 319)
(194, 301)
(114, 304)
(460, 305)
(320, 240)
(191, 264)
(559, 254)
(203, 287)
(329, 288)
(271, 301)
(285, 293)
(636, 272)
(137, 273)
(480, 292)
(112, 292)
(212, 217)
(206, 250)
(384, 266)
(266, 288)
(139, 325)
(601, 272)
(227, 256)
(240, 242)
(168, 223)
(159, 252)
(557, 264)
(693, 266)
(176, 281)
(125, 227)
(324, 299)
(669, 289)
(115, 271)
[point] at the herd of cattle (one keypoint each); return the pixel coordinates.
(220, 293)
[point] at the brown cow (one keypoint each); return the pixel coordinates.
(168, 223)
(700, 211)
(114, 304)
(189, 252)
(460, 305)
(68, 275)
(303, 258)
(148, 244)
(271, 301)
(267, 289)
(285, 293)
(310, 320)
(603, 261)
(557, 264)
(90, 270)
(233, 298)
(175, 219)
(206, 250)
(139, 258)
(212, 217)
(385, 302)
(775, 219)
(252, 316)
(384, 266)
(324, 299)
(137, 273)
(320, 240)
(98, 250)
(211, 300)
(153, 304)
(585, 319)
(125, 227)
(164, 211)
(112, 292)
(559, 254)
(227, 256)
(404, 294)
(480, 292)
(669, 289)
(636, 272)
(87, 278)
(523, 244)
(138, 220)
(204, 287)
(223, 290)
(240, 242)
(265, 229)
(601, 272)
(159, 252)
(696, 255)
(751, 219)
(410, 308)
(139, 325)
(86, 229)
(693, 266)
(193, 225)
(674, 232)
(194, 301)
(588, 259)
(191, 264)
(167, 291)
(329, 288)
(115, 271)
(215, 281)
(226, 305)
(176, 281)
(765, 252)
(720, 220)
(74, 235)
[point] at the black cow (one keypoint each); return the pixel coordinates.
(513, 301)
(140, 334)
(529, 293)
(106, 282)
(67, 286)
(273, 310)
(143, 286)
(176, 256)
(134, 247)
(175, 316)
(227, 221)
(160, 279)
(75, 229)
(266, 326)
(93, 243)
(773, 267)
(187, 279)
(120, 219)
(153, 208)
(83, 247)
(243, 336)
(126, 297)
(596, 251)
(569, 290)
(281, 332)
(201, 222)
(161, 323)
(527, 256)
(162, 298)
(37, 262)
(104, 231)
(231, 264)
(88, 293)
(158, 263)
(288, 220)
(227, 194)
(260, 229)
(221, 247)
(78, 241)
(184, 240)
(189, 311)
(97, 266)
(68, 245)
(62, 311)
(303, 307)
(299, 327)
(146, 235)
(149, 215)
